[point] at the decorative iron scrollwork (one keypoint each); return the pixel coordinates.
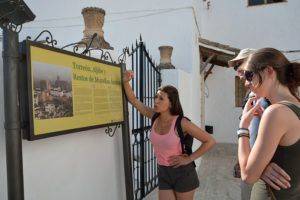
(106, 56)
(49, 39)
(12, 27)
(9, 25)
(90, 44)
(76, 46)
(110, 132)
(5, 23)
(122, 57)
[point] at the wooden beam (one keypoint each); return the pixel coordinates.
(208, 71)
(218, 45)
(221, 58)
(202, 68)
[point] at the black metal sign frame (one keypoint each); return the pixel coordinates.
(27, 115)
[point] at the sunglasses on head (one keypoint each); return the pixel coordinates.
(237, 65)
(247, 75)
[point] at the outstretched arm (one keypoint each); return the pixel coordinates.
(145, 110)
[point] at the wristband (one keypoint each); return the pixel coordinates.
(244, 135)
(243, 132)
(243, 129)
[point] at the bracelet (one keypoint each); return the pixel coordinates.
(243, 132)
(240, 131)
(244, 135)
(243, 129)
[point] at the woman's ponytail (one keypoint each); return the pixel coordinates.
(293, 78)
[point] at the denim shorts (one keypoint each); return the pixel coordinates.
(181, 179)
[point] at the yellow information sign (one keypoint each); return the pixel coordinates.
(70, 92)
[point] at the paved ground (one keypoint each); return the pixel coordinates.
(215, 175)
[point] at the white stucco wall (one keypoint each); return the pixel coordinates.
(220, 109)
(180, 80)
(234, 23)
(239, 25)
(79, 166)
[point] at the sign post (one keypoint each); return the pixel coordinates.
(12, 15)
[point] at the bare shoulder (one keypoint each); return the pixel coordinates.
(185, 122)
(277, 114)
(278, 111)
(190, 127)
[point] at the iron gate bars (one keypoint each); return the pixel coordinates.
(147, 79)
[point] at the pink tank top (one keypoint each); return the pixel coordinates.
(165, 145)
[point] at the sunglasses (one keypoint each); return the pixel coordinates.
(236, 66)
(247, 75)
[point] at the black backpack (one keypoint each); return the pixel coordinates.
(185, 140)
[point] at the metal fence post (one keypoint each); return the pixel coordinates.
(15, 185)
(141, 97)
(126, 149)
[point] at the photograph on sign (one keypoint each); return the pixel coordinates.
(52, 87)
(70, 92)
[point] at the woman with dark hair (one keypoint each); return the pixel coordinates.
(268, 73)
(177, 177)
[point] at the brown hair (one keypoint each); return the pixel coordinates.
(173, 96)
(288, 73)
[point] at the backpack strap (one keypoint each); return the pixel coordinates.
(181, 135)
(180, 132)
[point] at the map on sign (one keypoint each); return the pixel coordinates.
(70, 93)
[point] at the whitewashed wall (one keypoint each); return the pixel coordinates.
(89, 165)
(235, 24)
(80, 166)
(220, 109)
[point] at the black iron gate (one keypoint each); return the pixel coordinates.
(147, 79)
